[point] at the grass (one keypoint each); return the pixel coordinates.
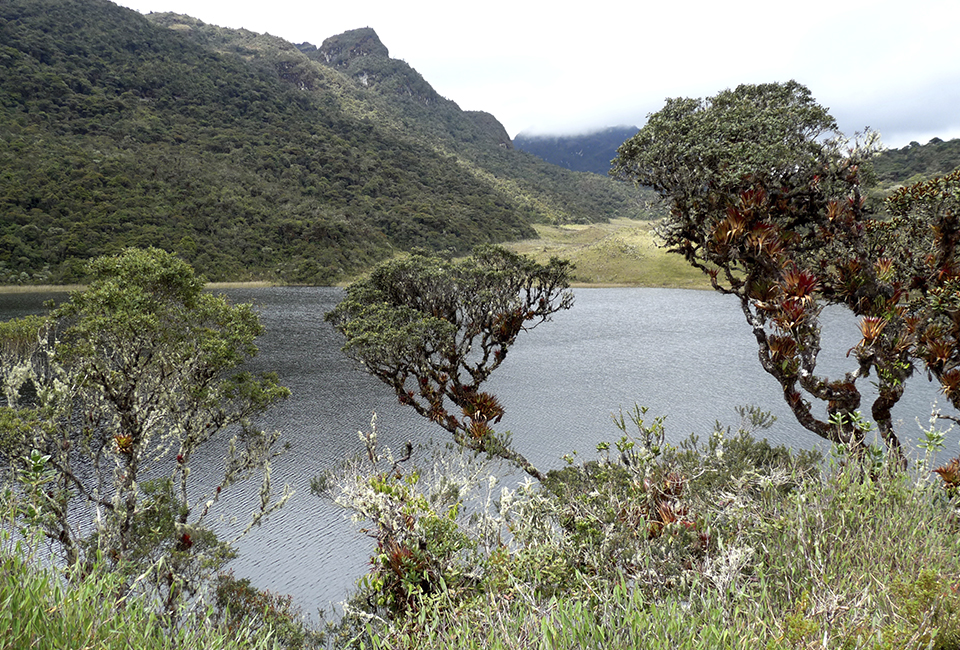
(622, 252)
(45, 607)
(822, 574)
(40, 609)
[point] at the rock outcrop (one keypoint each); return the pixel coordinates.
(339, 50)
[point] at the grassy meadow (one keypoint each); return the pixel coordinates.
(621, 252)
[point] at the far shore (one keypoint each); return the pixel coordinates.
(66, 288)
(619, 253)
(62, 288)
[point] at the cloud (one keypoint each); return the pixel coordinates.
(873, 62)
(915, 109)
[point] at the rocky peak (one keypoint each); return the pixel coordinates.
(341, 49)
(490, 126)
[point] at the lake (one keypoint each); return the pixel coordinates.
(687, 355)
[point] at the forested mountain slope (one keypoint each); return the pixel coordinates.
(937, 157)
(247, 155)
(588, 152)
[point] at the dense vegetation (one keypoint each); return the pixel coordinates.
(916, 162)
(767, 199)
(243, 155)
(721, 543)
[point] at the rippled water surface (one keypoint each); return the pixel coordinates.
(684, 354)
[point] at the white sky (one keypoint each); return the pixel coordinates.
(538, 67)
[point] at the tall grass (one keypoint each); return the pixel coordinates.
(38, 609)
(45, 607)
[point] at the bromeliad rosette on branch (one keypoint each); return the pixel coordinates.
(434, 331)
(766, 197)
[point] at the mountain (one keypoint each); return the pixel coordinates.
(251, 157)
(937, 157)
(590, 152)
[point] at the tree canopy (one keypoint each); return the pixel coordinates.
(773, 209)
(109, 399)
(434, 331)
(692, 146)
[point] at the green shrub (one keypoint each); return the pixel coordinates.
(929, 612)
(770, 548)
(240, 605)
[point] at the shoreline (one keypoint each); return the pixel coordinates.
(8, 289)
(66, 288)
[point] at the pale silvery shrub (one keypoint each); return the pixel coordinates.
(434, 522)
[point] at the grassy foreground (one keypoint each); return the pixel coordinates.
(838, 564)
(728, 544)
(40, 610)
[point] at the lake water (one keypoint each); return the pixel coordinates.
(687, 355)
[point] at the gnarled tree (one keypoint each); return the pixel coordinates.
(766, 197)
(434, 331)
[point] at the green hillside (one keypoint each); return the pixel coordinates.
(249, 156)
(917, 161)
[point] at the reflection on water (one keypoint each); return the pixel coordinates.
(684, 354)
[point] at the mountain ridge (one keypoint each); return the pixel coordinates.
(244, 154)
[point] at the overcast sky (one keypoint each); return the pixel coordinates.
(540, 67)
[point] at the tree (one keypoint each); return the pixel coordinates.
(766, 197)
(923, 241)
(435, 330)
(114, 392)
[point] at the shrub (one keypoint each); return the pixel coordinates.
(770, 548)
(240, 605)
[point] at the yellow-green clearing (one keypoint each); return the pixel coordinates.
(622, 252)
